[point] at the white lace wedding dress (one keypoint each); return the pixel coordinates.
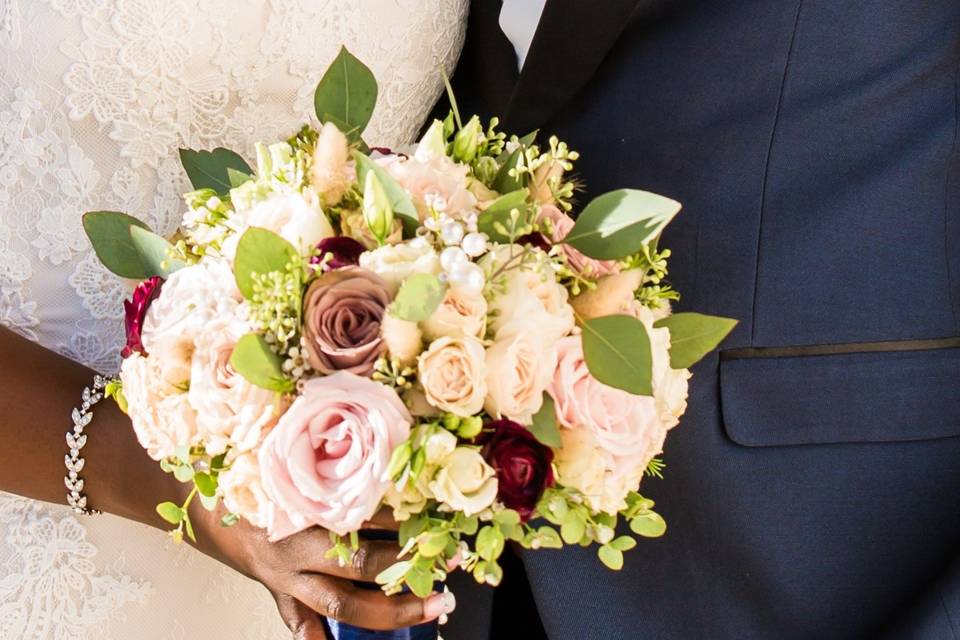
(95, 98)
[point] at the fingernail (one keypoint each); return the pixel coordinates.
(439, 604)
(454, 562)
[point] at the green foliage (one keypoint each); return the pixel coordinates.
(617, 224)
(694, 335)
(111, 234)
(346, 95)
(617, 352)
(655, 468)
(260, 252)
(611, 557)
(649, 525)
(418, 297)
(156, 253)
(506, 218)
(170, 512)
(212, 169)
(506, 179)
(254, 360)
(544, 427)
(399, 199)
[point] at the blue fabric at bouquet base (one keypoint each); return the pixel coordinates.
(342, 631)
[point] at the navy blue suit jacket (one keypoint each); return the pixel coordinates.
(813, 487)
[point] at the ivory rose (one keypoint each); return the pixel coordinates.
(519, 368)
(559, 225)
(462, 313)
(231, 411)
(342, 312)
(453, 375)
(243, 492)
(465, 482)
(295, 217)
(396, 263)
(626, 427)
(326, 462)
(160, 412)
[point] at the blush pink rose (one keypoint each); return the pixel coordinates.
(325, 463)
(626, 427)
(558, 226)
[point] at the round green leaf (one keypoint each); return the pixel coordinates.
(255, 360)
(418, 297)
(259, 252)
(617, 224)
(617, 352)
(544, 426)
(393, 573)
(420, 582)
(612, 558)
(170, 512)
(649, 525)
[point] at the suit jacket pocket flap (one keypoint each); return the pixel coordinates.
(854, 397)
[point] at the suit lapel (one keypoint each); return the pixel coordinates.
(571, 41)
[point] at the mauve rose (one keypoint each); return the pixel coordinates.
(135, 310)
(326, 462)
(560, 225)
(523, 465)
(344, 252)
(342, 312)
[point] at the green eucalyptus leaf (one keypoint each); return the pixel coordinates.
(400, 201)
(346, 94)
(170, 512)
(432, 544)
(155, 253)
(611, 557)
(394, 572)
(418, 297)
(649, 525)
(260, 252)
(623, 543)
(183, 473)
(499, 212)
(206, 484)
(420, 582)
(504, 182)
(544, 427)
(490, 543)
(617, 352)
(211, 169)
(109, 233)
(255, 360)
(237, 177)
(549, 538)
(411, 528)
(617, 224)
(572, 530)
(694, 335)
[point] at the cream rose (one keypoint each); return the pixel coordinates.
(453, 375)
(403, 339)
(583, 465)
(230, 410)
(396, 263)
(462, 313)
(465, 482)
(670, 386)
(243, 492)
(519, 368)
(297, 219)
(160, 412)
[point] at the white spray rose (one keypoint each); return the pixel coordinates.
(296, 218)
(453, 375)
(465, 482)
(519, 368)
(670, 386)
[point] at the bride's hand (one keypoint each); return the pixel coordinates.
(305, 583)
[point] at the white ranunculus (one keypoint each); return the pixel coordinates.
(294, 217)
(453, 374)
(190, 299)
(583, 465)
(231, 411)
(462, 313)
(396, 263)
(670, 386)
(519, 368)
(465, 482)
(160, 412)
(243, 492)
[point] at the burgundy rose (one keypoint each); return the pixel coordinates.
(342, 312)
(344, 252)
(535, 239)
(135, 310)
(523, 465)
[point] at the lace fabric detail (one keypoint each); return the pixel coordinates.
(95, 98)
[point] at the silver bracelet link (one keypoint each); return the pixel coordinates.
(76, 439)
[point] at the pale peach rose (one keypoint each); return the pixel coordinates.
(243, 492)
(160, 412)
(231, 411)
(465, 482)
(519, 368)
(329, 175)
(612, 295)
(462, 313)
(295, 217)
(396, 263)
(559, 225)
(326, 462)
(626, 427)
(453, 375)
(403, 339)
(354, 225)
(190, 299)
(438, 176)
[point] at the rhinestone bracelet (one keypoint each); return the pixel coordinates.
(82, 416)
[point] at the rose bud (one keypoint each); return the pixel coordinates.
(135, 310)
(343, 251)
(523, 465)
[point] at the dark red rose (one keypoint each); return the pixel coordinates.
(135, 310)
(523, 465)
(344, 251)
(535, 239)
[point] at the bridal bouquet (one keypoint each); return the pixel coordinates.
(429, 330)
